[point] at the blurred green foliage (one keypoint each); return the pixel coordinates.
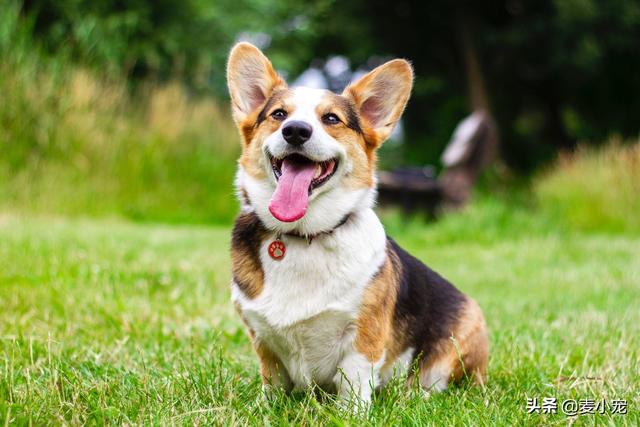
(594, 190)
(554, 72)
(120, 107)
(80, 142)
(172, 39)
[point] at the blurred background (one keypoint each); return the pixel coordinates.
(119, 108)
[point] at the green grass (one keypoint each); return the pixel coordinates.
(110, 322)
(594, 189)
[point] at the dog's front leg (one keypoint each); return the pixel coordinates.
(357, 378)
(359, 371)
(274, 374)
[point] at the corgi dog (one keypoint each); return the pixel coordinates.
(328, 298)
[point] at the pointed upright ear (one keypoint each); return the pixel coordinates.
(251, 79)
(380, 97)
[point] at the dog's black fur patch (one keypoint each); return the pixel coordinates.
(427, 304)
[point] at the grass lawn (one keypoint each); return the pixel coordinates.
(109, 322)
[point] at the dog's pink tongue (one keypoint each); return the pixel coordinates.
(289, 201)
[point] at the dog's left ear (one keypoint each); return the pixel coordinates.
(251, 79)
(380, 97)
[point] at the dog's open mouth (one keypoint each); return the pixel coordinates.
(322, 171)
(297, 177)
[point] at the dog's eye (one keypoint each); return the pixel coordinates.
(279, 114)
(330, 119)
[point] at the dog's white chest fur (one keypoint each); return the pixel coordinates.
(308, 306)
(310, 349)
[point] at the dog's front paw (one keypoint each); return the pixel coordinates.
(355, 382)
(269, 393)
(353, 404)
(353, 396)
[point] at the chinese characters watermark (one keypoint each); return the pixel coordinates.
(572, 407)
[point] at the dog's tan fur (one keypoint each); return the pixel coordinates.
(247, 269)
(465, 353)
(374, 333)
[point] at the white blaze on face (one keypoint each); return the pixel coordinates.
(302, 165)
(305, 101)
(321, 146)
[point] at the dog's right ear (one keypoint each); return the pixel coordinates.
(251, 79)
(380, 97)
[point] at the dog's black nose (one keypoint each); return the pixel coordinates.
(297, 132)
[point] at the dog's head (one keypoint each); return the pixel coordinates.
(308, 155)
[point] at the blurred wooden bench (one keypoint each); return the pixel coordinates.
(472, 148)
(412, 188)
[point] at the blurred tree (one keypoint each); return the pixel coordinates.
(161, 39)
(552, 72)
(555, 71)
